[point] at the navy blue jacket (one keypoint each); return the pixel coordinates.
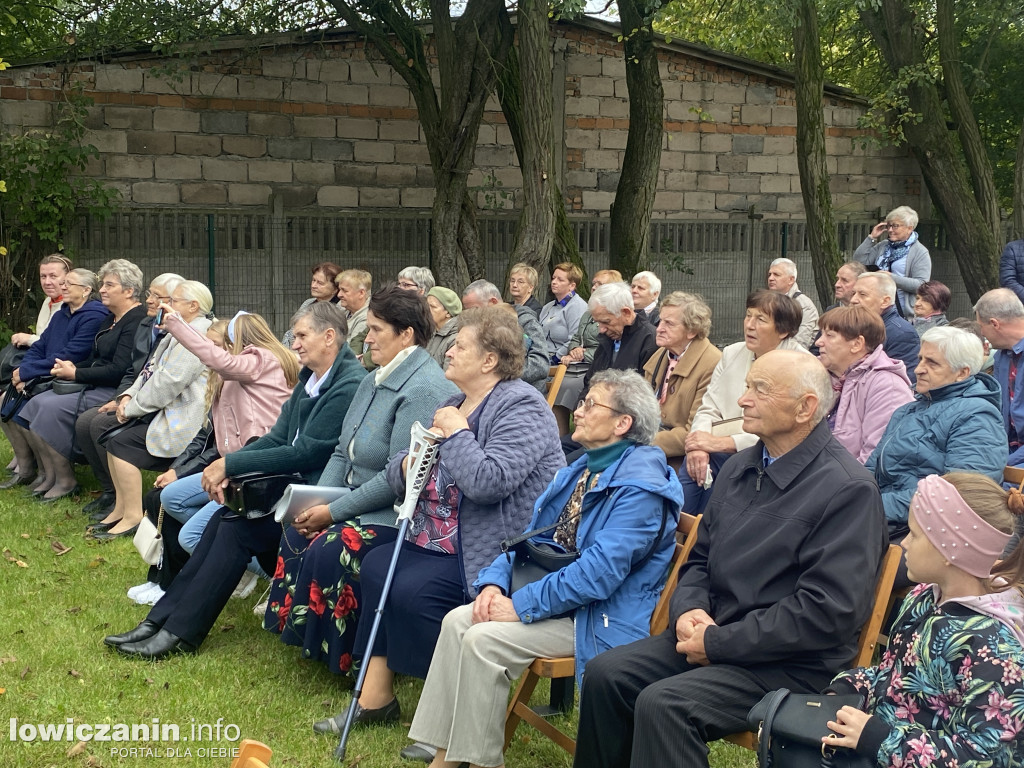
(1011, 268)
(902, 342)
(68, 336)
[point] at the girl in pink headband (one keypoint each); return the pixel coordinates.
(948, 691)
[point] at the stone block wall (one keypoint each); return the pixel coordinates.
(331, 127)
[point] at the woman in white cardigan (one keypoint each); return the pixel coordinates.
(168, 403)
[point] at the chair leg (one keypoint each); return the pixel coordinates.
(522, 695)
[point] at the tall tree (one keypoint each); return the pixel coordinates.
(810, 146)
(634, 195)
(959, 187)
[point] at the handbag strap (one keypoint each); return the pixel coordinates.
(160, 520)
(764, 733)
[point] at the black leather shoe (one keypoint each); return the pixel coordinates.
(158, 646)
(420, 752)
(145, 630)
(106, 535)
(102, 503)
(51, 499)
(389, 713)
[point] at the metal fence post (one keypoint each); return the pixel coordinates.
(211, 255)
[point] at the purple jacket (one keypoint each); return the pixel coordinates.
(875, 386)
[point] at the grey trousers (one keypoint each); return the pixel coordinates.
(462, 707)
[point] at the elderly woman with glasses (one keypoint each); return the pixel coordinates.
(893, 246)
(160, 413)
(69, 338)
(51, 416)
(615, 508)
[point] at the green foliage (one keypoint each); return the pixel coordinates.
(45, 189)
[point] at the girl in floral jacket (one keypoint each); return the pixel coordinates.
(949, 691)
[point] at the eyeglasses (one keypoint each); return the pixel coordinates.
(157, 296)
(109, 284)
(408, 285)
(894, 225)
(72, 285)
(175, 299)
(588, 405)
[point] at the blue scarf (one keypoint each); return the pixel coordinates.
(896, 251)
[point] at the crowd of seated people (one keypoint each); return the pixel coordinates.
(807, 463)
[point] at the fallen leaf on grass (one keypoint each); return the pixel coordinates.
(78, 749)
(74, 673)
(93, 762)
(96, 562)
(76, 609)
(149, 681)
(227, 627)
(21, 563)
(59, 548)
(25, 536)
(25, 672)
(356, 760)
(3, 691)
(7, 659)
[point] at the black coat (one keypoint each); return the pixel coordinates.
(636, 349)
(112, 350)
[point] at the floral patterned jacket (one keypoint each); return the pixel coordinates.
(948, 692)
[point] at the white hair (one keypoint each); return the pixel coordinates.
(960, 348)
(884, 285)
(999, 304)
(652, 280)
(483, 290)
(904, 214)
(788, 264)
(422, 276)
(632, 396)
(612, 297)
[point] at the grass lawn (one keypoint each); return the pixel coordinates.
(55, 610)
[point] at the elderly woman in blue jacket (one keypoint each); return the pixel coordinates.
(954, 423)
(617, 507)
(498, 453)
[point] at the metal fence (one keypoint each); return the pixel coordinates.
(262, 263)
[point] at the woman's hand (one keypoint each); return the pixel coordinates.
(449, 420)
(491, 605)
(849, 724)
(168, 477)
(110, 407)
(63, 369)
(215, 479)
(168, 310)
(122, 416)
(21, 340)
(880, 230)
(313, 520)
(16, 377)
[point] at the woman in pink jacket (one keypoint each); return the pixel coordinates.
(251, 380)
(869, 386)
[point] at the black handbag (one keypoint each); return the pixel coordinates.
(65, 387)
(10, 359)
(253, 494)
(790, 727)
(13, 400)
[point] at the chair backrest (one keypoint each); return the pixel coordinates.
(880, 607)
(688, 525)
(555, 375)
(1014, 476)
(252, 754)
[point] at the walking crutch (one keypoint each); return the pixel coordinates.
(423, 454)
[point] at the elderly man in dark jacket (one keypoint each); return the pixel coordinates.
(877, 291)
(772, 596)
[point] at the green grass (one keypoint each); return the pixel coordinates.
(56, 609)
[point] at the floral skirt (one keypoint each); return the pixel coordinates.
(315, 595)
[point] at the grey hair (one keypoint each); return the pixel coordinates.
(905, 214)
(193, 290)
(815, 379)
(612, 297)
(884, 285)
(962, 349)
(483, 289)
(653, 281)
(632, 396)
(422, 276)
(999, 304)
(88, 278)
(128, 274)
(694, 313)
(789, 264)
(323, 315)
(169, 280)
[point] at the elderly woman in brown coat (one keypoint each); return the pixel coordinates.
(680, 371)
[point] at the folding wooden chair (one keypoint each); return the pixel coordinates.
(559, 669)
(869, 632)
(555, 375)
(252, 754)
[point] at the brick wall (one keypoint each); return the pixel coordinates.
(330, 127)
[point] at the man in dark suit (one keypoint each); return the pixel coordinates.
(877, 291)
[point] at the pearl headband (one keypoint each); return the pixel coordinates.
(956, 530)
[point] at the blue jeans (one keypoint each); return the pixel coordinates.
(187, 502)
(695, 497)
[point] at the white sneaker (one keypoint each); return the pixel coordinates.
(140, 589)
(246, 585)
(151, 597)
(261, 609)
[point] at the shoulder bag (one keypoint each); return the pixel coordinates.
(790, 727)
(255, 494)
(149, 540)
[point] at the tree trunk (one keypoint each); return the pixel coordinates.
(810, 149)
(1018, 189)
(634, 195)
(899, 38)
(467, 52)
(533, 136)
